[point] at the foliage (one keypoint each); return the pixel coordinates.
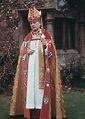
(72, 72)
(9, 47)
(8, 59)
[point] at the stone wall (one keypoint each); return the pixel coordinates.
(82, 37)
(13, 28)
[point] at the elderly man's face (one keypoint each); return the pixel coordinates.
(35, 25)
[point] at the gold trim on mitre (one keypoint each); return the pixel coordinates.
(34, 14)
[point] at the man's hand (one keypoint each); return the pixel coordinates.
(43, 40)
(30, 51)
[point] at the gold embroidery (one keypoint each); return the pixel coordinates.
(41, 66)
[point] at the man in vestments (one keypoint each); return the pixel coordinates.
(37, 90)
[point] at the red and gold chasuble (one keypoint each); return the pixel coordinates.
(49, 80)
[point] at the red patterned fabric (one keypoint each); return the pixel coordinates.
(44, 114)
(53, 103)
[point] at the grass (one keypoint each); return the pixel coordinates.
(74, 105)
(4, 108)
